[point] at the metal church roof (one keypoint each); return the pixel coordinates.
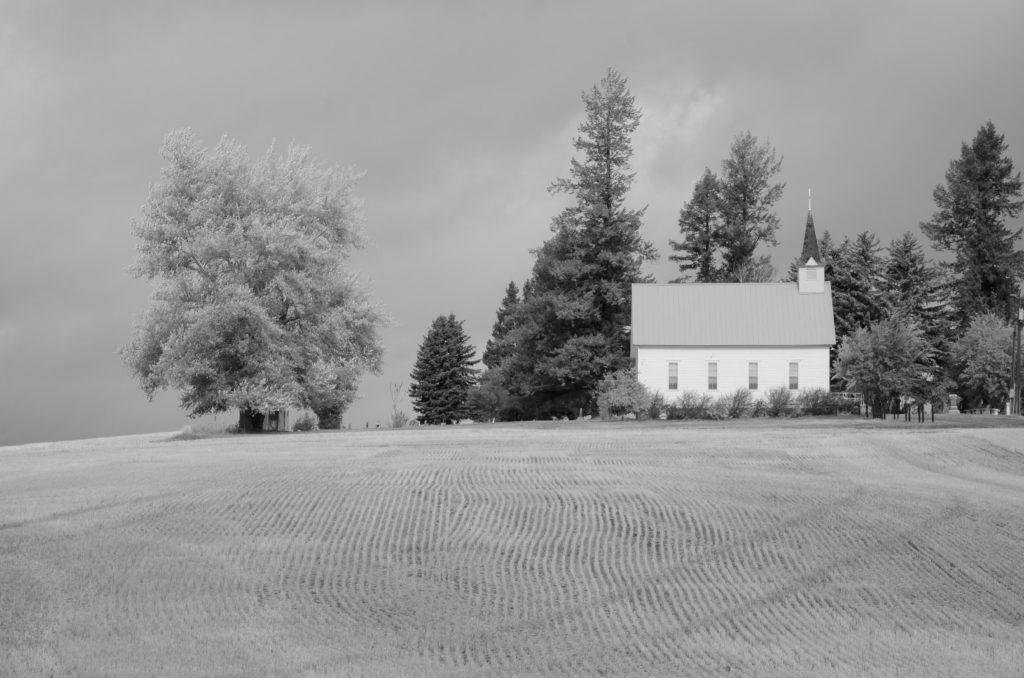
(731, 314)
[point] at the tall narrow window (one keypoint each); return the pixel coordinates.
(752, 376)
(712, 376)
(673, 376)
(794, 376)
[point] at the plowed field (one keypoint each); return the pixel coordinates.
(844, 549)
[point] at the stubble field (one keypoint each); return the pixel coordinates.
(835, 548)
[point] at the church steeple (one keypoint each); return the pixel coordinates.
(811, 271)
(810, 250)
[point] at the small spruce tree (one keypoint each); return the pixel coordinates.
(443, 373)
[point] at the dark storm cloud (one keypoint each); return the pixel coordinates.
(461, 114)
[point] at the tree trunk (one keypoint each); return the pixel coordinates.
(250, 421)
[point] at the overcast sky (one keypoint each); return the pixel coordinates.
(461, 114)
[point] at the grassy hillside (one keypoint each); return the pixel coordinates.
(773, 548)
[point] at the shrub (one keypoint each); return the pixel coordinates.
(778, 401)
(736, 404)
(619, 394)
(399, 419)
(690, 405)
(716, 409)
(817, 402)
(307, 422)
(658, 406)
(759, 408)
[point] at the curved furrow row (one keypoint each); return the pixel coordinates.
(728, 577)
(817, 608)
(553, 565)
(291, 578)
(630, 572)
(994, 579)
(354, 554)
(174, 564)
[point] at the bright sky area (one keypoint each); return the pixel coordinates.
(461, 114)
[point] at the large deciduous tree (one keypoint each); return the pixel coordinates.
(981, 192)
(443, 373)
(571, 325)
(980, 361)
(748, 197)
(253, 307)
(886, 360)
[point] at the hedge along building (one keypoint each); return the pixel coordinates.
(715, 338)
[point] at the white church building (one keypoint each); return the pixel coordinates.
(714, 338)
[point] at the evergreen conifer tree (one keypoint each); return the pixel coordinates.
(571, 324)
(443, 373)
(498, 346)
(980, 193)
(748, 197)
(700, 223)
(917, 291)
(857, 282)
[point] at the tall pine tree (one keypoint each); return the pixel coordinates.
(917, 291)
(748, 200)
(499, 346)
(571, 326)
(700, 223)
(857, 284)
(980, 193)
(443, 373)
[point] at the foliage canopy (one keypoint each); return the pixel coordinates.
(252, 307)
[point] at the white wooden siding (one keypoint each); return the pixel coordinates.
(772, 367)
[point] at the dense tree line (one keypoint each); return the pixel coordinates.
(956, 315)
(553, 344)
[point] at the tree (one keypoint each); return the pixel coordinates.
(916, 289)
(857, 283)
(443, 373)
(981, 361)
(253, 307)
(886, 360)
(748, 197)
(621, 393)
(489, 399)
(700, 223)
(980, 193)
(398, 416)
(570, 326)
(499, 346)
(757, 270)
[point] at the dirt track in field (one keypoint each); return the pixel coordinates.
(564, 549)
